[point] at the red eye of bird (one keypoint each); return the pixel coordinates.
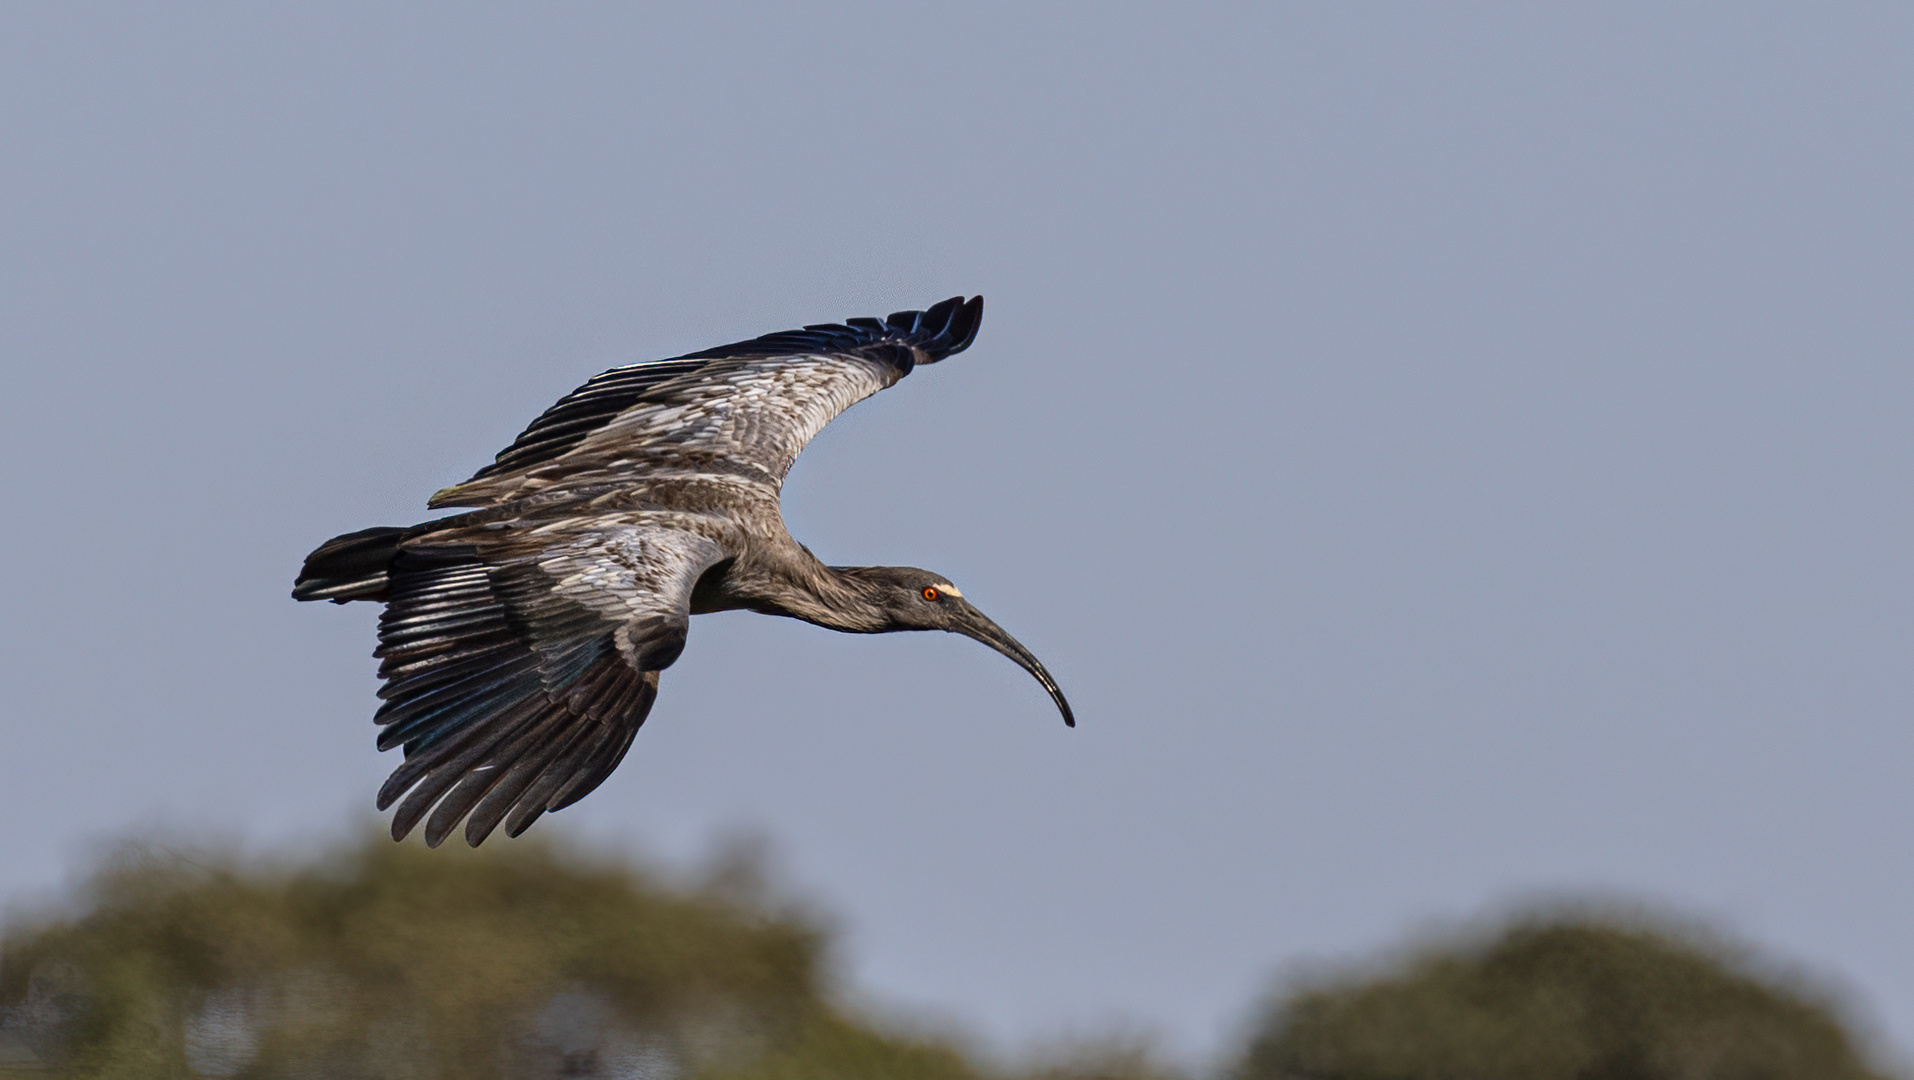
(930, 593)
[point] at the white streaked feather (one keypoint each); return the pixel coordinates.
(758, 414)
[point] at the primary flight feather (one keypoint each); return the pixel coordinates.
(522, 640)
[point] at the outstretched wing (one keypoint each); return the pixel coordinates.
(519, 660)
(736, 413)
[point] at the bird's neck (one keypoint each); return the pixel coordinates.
(834, 597)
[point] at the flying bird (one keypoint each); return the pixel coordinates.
(522, 640)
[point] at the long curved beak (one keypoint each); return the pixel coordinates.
(975, 625)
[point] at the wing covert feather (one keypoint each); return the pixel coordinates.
(738, 413)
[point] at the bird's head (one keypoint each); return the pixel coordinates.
(914, 599)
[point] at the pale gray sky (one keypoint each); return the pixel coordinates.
(1446, 452)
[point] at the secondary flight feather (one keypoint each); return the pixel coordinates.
(522, 640)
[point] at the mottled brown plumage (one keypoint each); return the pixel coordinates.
(522, 639)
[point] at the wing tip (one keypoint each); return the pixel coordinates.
(943, 329)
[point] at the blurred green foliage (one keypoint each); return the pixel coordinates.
(519, 960)
(526, 960)
(1567, 997)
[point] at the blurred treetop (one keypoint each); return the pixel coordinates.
(1560, 998)
(392, 961)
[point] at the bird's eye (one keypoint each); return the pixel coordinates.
(931, 593)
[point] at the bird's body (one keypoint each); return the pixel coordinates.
(522, 639)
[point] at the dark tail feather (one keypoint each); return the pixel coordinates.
(349, 567)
